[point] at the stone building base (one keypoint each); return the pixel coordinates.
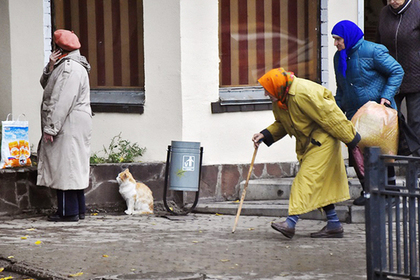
(19, 193)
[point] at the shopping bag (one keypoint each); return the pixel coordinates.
(408, 140)
(15, 149)
(378, 126)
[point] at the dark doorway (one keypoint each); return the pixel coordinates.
(372, 10)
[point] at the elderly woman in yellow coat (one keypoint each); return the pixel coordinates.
(308, 111)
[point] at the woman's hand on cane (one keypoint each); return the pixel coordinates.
(257, 139)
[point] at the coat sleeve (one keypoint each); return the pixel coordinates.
(274, 132)
(390, 68)
(318, 104)
(63, 98)
(45, 76)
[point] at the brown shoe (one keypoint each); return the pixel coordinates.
(284, 229)
(325, 233)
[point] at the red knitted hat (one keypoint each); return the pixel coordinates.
(66, 40)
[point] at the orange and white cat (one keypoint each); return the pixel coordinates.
(137, 196)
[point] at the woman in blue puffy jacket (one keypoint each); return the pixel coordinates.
(364, 71)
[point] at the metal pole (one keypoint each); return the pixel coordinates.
(372, 215)
(165, 189)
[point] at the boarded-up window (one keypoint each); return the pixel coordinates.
(259, 35)
(111, 34)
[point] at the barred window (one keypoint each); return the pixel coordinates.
(256, 36)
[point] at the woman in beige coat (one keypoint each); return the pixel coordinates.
(307, 111)
(66, 122)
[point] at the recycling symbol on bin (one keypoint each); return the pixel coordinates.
(188, 163)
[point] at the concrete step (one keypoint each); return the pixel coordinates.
(269, 197)
(346, 211)
(279, 188)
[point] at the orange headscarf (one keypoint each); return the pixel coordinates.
(277, 82)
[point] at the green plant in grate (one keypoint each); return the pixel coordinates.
(118, 151)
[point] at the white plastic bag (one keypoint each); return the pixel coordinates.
(15, 149)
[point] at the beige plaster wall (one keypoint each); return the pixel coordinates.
(182, 77)
(162, 118)
(338, 10)
(5, 61)
(24, 61)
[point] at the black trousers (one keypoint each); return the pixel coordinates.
(71, 202)
(412, 101)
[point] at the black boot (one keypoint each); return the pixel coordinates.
(57, 218)
(361, 200)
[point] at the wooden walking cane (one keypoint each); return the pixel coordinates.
(244, 190)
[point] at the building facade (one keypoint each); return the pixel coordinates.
(164, 70)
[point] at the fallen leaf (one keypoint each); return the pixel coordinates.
(251, 228)
(24, 237)
(94, 214)
(1, 269)
(236, 201)
(30, 229)
(105, 256)
(76, 274)
(217, 214)
(6, 278)
(38, 242)
(195, 241)
(10, 257)
(225, 260)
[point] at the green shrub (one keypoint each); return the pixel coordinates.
(118, 151)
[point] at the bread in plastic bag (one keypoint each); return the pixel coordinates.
(378, 127)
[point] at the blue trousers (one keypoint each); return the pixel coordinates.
(71, 202)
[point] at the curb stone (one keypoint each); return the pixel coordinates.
(26, 271)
